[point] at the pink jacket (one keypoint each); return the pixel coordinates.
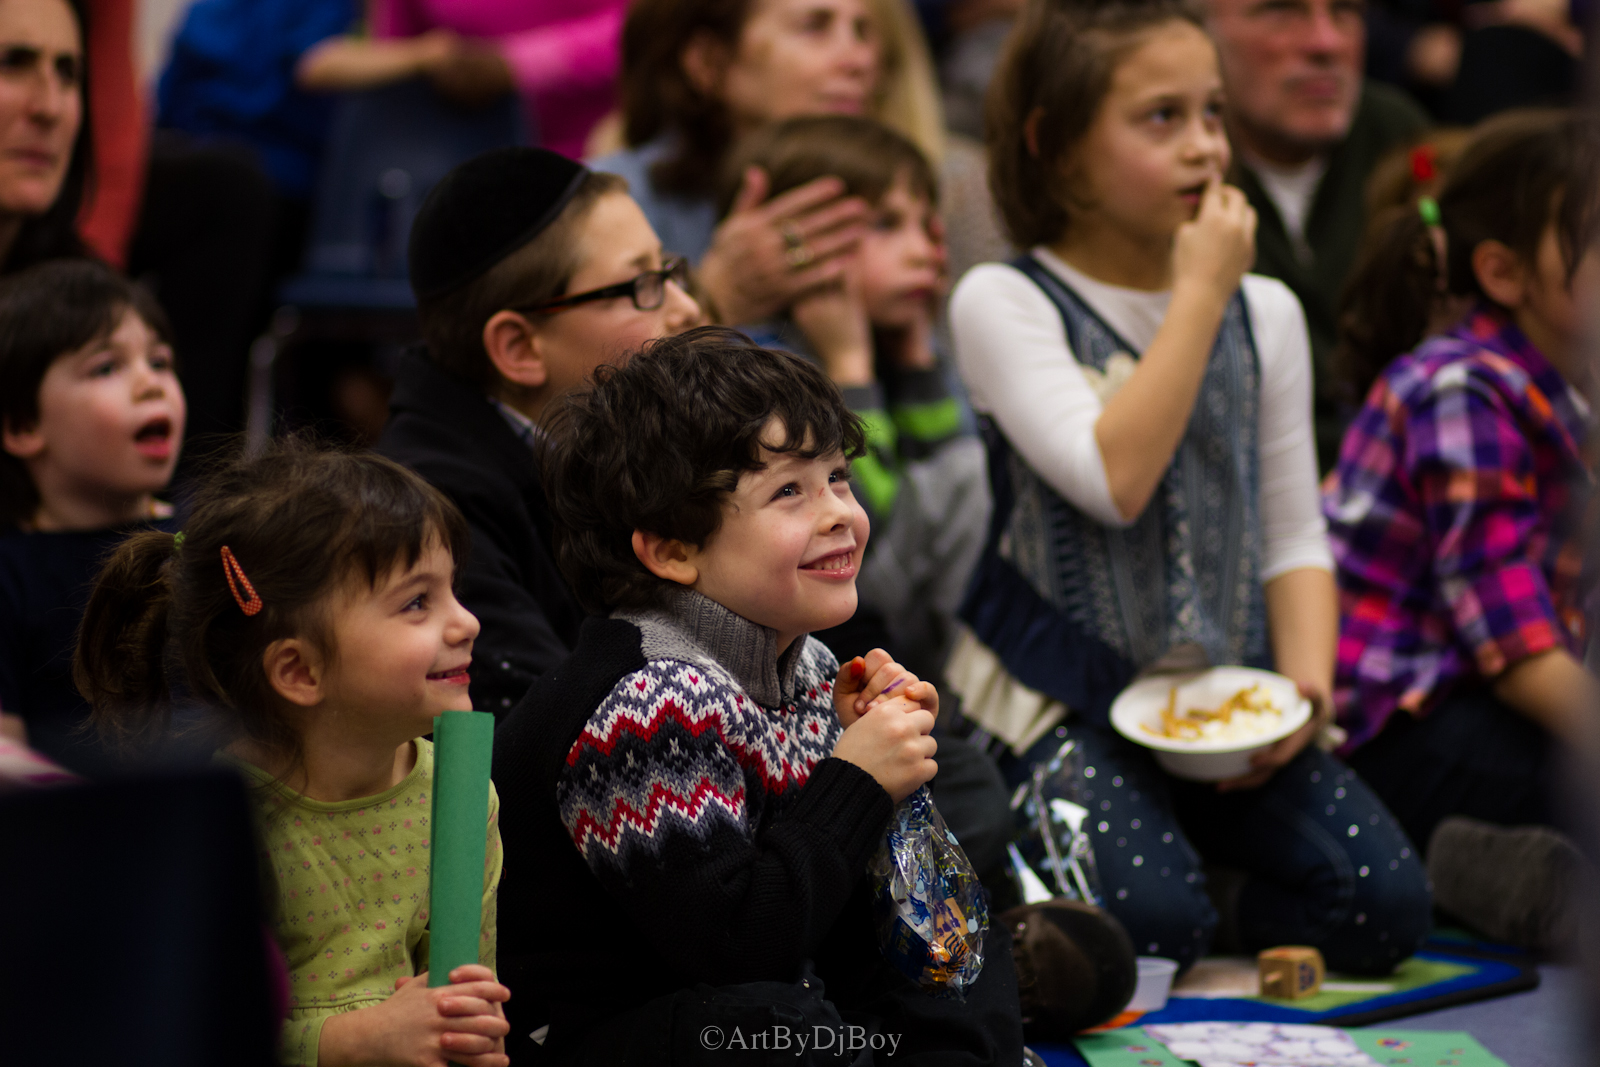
(563, 54)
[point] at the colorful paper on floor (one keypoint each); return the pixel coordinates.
(1135, 1047)
(1260, 1045)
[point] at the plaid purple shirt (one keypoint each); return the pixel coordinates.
(1452, 517)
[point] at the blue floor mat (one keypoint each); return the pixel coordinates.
(1449, 971)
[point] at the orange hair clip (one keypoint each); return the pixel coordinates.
(231, 568)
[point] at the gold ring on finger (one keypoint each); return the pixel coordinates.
(791, 236)
(799, 257)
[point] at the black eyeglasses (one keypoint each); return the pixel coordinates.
(648, 290)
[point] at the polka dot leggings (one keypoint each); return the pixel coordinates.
(1326, 863)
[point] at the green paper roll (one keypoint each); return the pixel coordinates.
(463, 743)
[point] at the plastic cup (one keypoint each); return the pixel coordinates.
(1155, 982)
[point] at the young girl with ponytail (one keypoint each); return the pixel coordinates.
(307, 604)
(1451, 514)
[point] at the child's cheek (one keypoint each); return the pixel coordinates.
(862, 526)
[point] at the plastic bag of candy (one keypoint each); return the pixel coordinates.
(1053, 828)
(932, 912)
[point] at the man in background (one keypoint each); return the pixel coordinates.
(1307, 129)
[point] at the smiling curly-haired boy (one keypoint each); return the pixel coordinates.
(694, 795)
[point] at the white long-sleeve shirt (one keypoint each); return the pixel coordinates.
(1012, 350)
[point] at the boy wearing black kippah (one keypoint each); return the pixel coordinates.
(693, 796)
(529, 270)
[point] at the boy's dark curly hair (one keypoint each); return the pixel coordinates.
(659, 442)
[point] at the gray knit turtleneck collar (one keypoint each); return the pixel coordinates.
(692, 627)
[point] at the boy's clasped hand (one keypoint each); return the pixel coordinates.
(887, 714)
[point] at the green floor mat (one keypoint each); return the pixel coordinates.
(1131, 1047)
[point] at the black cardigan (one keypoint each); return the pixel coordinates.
(451, 434)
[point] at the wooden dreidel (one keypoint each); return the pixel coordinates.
(1290, 972)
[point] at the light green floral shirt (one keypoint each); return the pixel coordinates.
(351, 912)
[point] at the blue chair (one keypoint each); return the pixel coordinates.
(387, 148)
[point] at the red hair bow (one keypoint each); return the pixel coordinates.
(1424, 163)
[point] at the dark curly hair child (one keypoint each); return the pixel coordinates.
(700, 785)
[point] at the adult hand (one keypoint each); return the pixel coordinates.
(1213, 250)
(768, 252)
(1553, 18)
(891, 741)
(1269, 761)
(461, 1023)
(833, 318)
(434, 49)
(1434, 55)
(473, 75)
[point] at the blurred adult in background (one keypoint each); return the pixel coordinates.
(1307, 129)
(699, 74)
(246, 102)
(1465, 61)
(44, 143)
(560, 55)
(235, 75)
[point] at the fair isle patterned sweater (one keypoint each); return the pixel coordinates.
(674, 816)
(680, 749)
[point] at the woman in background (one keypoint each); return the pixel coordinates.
(44, 144)
(699, 75)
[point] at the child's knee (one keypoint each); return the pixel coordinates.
(1166, 915)
(1389, 917)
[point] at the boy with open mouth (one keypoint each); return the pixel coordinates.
(91, 423)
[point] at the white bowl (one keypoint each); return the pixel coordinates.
(1211, 759)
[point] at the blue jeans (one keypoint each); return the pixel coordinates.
(1325, 862)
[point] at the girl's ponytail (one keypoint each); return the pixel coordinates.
(266, 540)
(1390, 300)
(120, 666)
(1521, 173)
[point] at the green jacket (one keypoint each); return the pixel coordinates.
(1385, 118)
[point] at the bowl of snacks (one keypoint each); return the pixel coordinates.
(1206, 726)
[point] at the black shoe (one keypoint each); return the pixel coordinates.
(1075, 967)
(1516, 884)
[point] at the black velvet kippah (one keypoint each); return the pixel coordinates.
(484, 210)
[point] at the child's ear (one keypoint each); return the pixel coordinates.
(1501, 273)
(514, 347)
(665, 558)
(22, 442)
(1030, 131)
(704, 60)
(294, 670)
